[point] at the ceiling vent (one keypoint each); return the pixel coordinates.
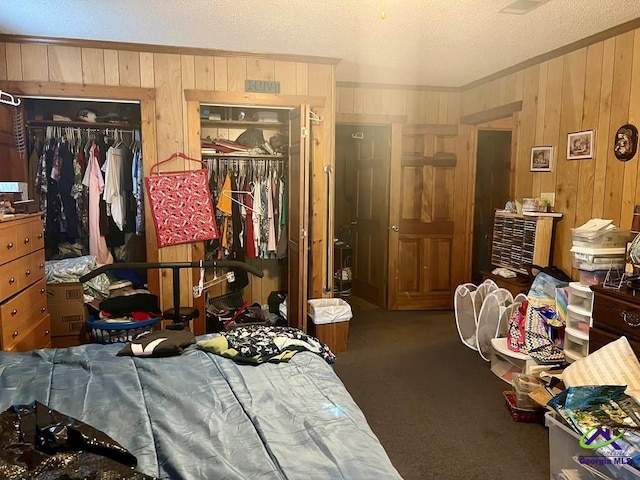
(520, 7)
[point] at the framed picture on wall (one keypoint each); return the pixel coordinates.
(580, 145)
(541, 159)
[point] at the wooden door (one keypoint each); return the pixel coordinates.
(365, 177)
(422, 220)
(298, 255)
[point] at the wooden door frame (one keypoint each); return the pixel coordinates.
(194, 98)
(146, 97)
(492, 119)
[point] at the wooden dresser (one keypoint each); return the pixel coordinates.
(615, 313)
(24, 319)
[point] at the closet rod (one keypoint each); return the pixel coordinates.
(90, 129)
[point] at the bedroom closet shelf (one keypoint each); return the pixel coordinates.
(242, 124)
(90, 125)
(211, 153)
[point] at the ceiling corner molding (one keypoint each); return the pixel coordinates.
(496, 113)
(397, 86)
(144, 47)
(585, 42)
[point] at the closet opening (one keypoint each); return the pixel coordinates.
(85, 173)
(246, 150)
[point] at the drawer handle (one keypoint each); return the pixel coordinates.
(28, 272)
(26, 240)
(14, 312)
(39, 236)
(42, 291)
(43, 309)
(41, 266)
(10, 245)
(46, 333)
(12, 281)
(631, 319)
(14, 334)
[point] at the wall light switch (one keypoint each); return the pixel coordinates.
(550, 197)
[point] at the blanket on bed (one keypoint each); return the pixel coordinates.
(203, 416)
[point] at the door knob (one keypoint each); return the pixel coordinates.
(353, 222)
(395, 228)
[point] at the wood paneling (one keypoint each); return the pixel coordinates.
(35, 63)
(65, 64)
(92, 66)
(593, 86)
(84, 69)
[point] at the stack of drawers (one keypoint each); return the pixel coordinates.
(24, 320)
(576, 334)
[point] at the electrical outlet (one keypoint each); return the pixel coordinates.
(550, 197)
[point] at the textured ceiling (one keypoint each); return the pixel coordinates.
(425, 42)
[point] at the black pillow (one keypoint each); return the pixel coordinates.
(159, 343)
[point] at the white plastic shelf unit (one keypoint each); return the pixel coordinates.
(576, 333)
(505, 363)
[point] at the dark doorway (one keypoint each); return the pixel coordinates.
(363, 156)
(493, 174)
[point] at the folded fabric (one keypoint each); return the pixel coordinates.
(159, 343)
(257, 344)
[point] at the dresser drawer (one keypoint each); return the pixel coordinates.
(18, 315)
(37, 337)
(617, 315)
(21, 273)
(19, 236)
(599, 338)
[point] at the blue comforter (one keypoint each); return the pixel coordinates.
(201, 416)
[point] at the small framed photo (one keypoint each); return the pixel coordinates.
(580, 145)
(541, 158)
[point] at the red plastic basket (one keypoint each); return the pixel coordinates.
(522, 414)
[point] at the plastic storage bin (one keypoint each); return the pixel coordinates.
(600, 239)
(330, 322)
(580, 296)
(578, 319)
(576, 346)
(597, 258)
(589, 277)
(102, 331)
(524, 384)
(565, 453)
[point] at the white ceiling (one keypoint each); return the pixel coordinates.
(420, 42)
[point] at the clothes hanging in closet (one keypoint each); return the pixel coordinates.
(90, 187)
(250, 196)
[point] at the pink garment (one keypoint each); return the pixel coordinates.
(95, 182)
(271, 238)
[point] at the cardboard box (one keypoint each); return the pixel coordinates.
(65, 302)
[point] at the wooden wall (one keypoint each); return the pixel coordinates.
(170, 71)
(594, 87)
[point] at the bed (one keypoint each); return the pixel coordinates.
(202, 416)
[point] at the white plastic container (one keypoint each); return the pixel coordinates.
(600, 239)
(565, 454)
(576, 345)
(591, 259)
(524, 384)
(329, 310)
(580, 296)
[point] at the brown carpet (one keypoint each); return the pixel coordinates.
(434, 404)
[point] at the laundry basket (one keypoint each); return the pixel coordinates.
(228, 301)
(102, 331)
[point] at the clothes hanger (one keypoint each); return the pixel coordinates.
(227, 193)
(174, 155)
(9, 99)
